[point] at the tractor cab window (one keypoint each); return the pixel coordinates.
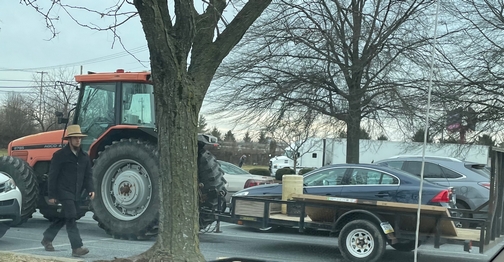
(138, 104)
(96, 113)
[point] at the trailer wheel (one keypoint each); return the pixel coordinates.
(271, 229)
(25, 180)
(405, 246)
(361, 241)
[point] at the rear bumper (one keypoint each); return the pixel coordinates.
(10, 206)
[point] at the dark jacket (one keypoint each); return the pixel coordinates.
(69, 174)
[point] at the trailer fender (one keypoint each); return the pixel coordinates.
(357, 214)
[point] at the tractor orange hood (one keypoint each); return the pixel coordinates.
(45, 139)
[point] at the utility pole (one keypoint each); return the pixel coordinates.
(40, 98)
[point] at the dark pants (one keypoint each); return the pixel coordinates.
(70, 212)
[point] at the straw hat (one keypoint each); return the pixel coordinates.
(74, 131)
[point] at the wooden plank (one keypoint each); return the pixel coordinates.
(342, 201)
(288, 218)
(427, 224)
(465, 234)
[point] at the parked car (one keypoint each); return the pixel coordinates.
(239, 179)
(362, 181)
(10, 202)
(471, 181)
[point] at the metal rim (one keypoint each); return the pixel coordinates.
(126, 189)
(360, 243)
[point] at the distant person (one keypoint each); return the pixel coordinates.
(242, 160)
(69, 174)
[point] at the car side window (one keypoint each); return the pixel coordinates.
(450, 174)
(394, 164)
(430, 170)
(433, 171)
(328, 177)
(371, 177)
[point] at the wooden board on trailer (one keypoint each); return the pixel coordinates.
(427, 223)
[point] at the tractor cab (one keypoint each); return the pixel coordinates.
(110, 99)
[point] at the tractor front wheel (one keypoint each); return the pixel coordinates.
(25, 180)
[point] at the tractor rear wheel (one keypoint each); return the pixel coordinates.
(25, 180)
(126, 176)
(212, 187)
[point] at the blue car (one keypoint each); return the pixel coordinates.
(362, 181)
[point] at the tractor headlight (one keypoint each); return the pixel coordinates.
(9, 185)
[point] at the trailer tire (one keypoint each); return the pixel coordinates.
(25, 180)
(125, 176)
(371, 241)
(405, 246)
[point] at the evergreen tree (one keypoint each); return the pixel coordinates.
(419, 136)
(229, 137)
(247, 138)
(202, 125)
(364, 134)
(215, 132)
(262, 138)
(382, 137)
(486, 140)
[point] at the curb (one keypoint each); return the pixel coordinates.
(9, 256)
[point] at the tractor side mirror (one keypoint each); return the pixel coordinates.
(61, 118)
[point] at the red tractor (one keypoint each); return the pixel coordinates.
(117, 112)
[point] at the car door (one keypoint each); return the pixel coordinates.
(326, 182)
(371, 184)
(432, 172)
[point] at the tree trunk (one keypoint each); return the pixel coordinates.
(179, 89)
(178, 223)
(353, 132)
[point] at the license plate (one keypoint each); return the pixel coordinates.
(248, 218)
(386, 227)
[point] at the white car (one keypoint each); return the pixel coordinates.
(10, 202)
(238, 179)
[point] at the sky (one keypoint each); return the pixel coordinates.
(25, 48)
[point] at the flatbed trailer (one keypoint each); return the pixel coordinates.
(363, 227)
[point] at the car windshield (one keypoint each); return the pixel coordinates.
(231, 169)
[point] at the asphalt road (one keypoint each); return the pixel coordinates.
(234, 241)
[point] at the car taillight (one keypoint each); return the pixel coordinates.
(484, 184)
(255, 182)
(442, 197)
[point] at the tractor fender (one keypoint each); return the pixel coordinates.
(118, 132)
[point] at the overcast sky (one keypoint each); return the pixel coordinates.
(26, 50)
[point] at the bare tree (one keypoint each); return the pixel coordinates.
(470, 67)
(296, 131)
(186, 47)
(350, 60)
(15, 116)
(57, 91)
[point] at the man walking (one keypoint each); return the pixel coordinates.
(69, 174)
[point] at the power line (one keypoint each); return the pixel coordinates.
(84, 62)
(16, 87)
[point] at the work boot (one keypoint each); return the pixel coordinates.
(81, 251)
(47, 245)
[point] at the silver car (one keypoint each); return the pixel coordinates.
(471, 181)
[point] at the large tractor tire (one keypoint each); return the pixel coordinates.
(212, 186)
(125, 176)
(26, 181)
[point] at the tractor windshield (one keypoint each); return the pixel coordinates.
(138, 104)
(96, 112)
